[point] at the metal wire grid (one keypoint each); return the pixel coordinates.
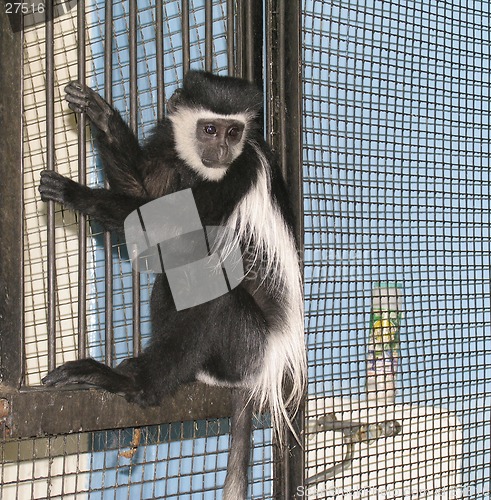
(92, 465)
(34, 210)
(396, 137)
(65, 69)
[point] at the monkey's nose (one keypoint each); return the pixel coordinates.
(222, 152)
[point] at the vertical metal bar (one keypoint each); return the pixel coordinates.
(50, 165)
(82, 178)
(22, 354)
(159, 38)
(290, 89)
(284, 105)
(186, 57)
(282, 81)
(280, 457)
(208, 35)
(276, 80)
(108, 50)
(134, 127)
(240, 40)
(231, 37)
(269, 74)
(293, 110)
(11, 203)
(133, 66)
(249, 41)
(108, 255)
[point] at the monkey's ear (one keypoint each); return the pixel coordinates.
(174, 101)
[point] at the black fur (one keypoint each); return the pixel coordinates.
(222, 95)
(225, 337)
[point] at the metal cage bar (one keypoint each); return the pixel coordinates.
(11, 204)
(108, 258)
(82, 178)
(186, 58)
(50, 165)
(159, 22)
(136, 281)
(284, 132)
(208, 35)
(231, 38)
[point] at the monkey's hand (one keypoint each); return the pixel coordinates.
(105, 206)
(83, 99)
(56, 187)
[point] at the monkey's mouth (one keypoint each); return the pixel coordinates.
(213, 164)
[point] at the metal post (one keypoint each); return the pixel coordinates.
(50, 165)
(11, 204)
(108, 254)
(82, 179)
(134, 127)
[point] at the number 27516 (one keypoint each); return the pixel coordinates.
(23, 7)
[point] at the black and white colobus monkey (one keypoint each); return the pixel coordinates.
(250, 339)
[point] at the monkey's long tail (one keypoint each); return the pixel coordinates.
(240, 448)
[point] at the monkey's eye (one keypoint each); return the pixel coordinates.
(210, 129)
(233, 132)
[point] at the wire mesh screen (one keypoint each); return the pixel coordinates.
(65, 70)
(397, 239)
(175, 461)
(34, 210)
(397, 256)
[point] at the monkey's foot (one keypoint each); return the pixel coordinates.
(88, 371)
(83, 99)
(147, 393)
(145, 399)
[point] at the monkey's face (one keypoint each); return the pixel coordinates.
(209, 142)
(219, 141)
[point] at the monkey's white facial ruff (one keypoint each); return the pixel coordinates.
(209, 142)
